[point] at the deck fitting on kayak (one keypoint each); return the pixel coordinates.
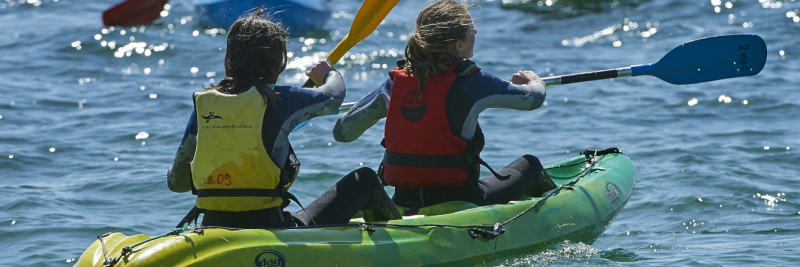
(108, 262)
(366, 227)
(498, 230)
(599, 152)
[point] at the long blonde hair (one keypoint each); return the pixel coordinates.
(429, 50)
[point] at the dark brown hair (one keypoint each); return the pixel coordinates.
(429, 50)
(255, 56)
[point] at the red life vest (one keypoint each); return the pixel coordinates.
(421, 149)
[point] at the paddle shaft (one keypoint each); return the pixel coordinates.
(587, 76)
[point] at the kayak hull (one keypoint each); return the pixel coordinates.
(579, 214)
(295, 15)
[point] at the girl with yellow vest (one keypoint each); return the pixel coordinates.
(235, 154)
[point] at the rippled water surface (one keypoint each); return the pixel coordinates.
(90, 118)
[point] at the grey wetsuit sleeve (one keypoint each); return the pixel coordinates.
(363, 115)
(313, 102)
(529, 97)
(496, 93)
(333, 87)
(536, 91)
(179, 175)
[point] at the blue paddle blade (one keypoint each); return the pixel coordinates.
(709, 59)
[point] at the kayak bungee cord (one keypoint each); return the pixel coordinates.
(498, 227)
(474, 231)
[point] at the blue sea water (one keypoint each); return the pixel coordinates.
(91, 116)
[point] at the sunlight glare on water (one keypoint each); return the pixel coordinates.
(142, 135)
(771, 201)
(564, 252)
(628, 27)
(696, 164)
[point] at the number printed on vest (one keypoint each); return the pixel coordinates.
(220, 179)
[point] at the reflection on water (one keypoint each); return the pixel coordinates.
(771, 201)
(563, 253)
(628, 27)
(706, 153)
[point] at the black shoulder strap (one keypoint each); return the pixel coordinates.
(290, 169)
(194, 190)
(190, 217)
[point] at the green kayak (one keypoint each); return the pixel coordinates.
(593, 189)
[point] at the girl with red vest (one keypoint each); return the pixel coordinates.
(431, 103)
(235, 154)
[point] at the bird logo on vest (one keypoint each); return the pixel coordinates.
(210, 116)
(413, 109)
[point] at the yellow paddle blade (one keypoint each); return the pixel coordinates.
(368, 18)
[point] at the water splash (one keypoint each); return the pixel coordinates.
(564, 252)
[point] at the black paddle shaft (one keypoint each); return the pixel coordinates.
(589, 76)
(308, 84)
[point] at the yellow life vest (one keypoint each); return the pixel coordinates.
(231, 170)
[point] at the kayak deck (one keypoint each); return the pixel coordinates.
(592, 192)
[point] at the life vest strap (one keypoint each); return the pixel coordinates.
(498, 176)
(462, 160)
(241, 193)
